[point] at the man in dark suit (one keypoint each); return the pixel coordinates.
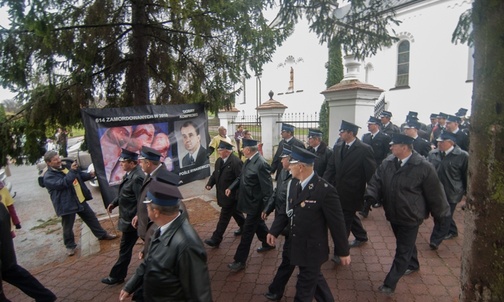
(379, 141)
(386, 125)
(351, 167)
(312, 208)
(452, 125)
(432, 125)
(440, 127)
(126, 200)
(255, 187)
(464, 123)
(287, 138)
(227, 169)
(197, 154)
(420, 145)
(319, 148)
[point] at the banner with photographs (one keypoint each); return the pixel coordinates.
(178, 132)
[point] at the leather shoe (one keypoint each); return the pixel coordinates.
(356, 243)
(410, 271)
(108, 237)
(450, 236)
(433, 246)
(111, 280)
(272, 296)
(336, 259)
(385, 289)
(376, 205)
(238, 232)
(265, 248)
(212, 243)
(236, 266)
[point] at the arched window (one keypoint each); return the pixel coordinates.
(403, 58)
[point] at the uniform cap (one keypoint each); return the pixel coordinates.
(314, 133)
(149, 153)
(162, 194)
(225, 145)
(386, 114)
(286, 150)
(301, 155)
(249, 142)
(398, 138)
(461, 112)
(374, 120)
(349, 127)
(445, 135)
(453, 118)
(288, 127)
(433, 115)
(128, 155)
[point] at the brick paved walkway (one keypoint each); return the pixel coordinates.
(437, 280)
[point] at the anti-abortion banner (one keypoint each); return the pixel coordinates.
(178, 132)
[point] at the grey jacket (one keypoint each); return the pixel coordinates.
(452, 172)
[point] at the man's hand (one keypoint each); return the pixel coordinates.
(134, 222)
(227, 192)
(345, 260)
(92, 173)
(270, 239)
(264, 216)
(74, 166)
(208, 187)
(110, 208)
(123, 295)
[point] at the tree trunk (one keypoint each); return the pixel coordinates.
(482, 276)
(137, 77)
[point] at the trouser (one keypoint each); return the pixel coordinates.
(312, 284)
(22, 279)
(120, 268)
(444, 227)
(353, 224)
(88, 216)
(284, 271)
(253, 225)
(406, 253)
(225, 216)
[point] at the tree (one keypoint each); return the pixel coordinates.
(334, 76)
(60, 56)
(482, 276)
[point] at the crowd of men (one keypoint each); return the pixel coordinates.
(413, 171)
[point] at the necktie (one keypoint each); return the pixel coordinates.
(191, 158)
(372, 136)
(345, 151)
(157, 233)
(147, 177)
(299, 190)
(398, 164)
(443, 154)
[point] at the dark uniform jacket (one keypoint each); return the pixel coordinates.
(462, 140)
(349, 175)
(390, 129)
(175, 268)
(277, 199)
(380, 144)
(62, 191)
(127, 198)
(436, 132)
(255, 185)
(324, 155)
(452, 172)
(422, 146)
(315, 210)
(276, 165)
(223, 176)
(410, 193)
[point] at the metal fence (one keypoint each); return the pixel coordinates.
(251, 123)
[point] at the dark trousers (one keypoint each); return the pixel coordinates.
(88, 216)
(312, 284)
(22, 279)
(225, 216)
(353, 224)
(120, 268)
(253, 225)
(444, 227)
(406, 253)
(284, 271)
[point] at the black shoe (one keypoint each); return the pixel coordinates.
(410, 271)
(272, 296)
(364, 214)
(265, 248)
(376, 205)
(385, 289)
(112, 280)
(212, 243)
(236, 266)
(433, 246)
(357, 243)
(238, 232)
(450, 236)
(108, 237)
(336, 259)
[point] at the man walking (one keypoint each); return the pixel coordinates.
(227, 169)
(289, 139)
(451, 164)
(350, 168)
(320, 149)
(410, 190)
(69, 195)
(312, 208)
(255, 187)
(386, 125)
(126, 200)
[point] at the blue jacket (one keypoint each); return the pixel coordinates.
(62, 191)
